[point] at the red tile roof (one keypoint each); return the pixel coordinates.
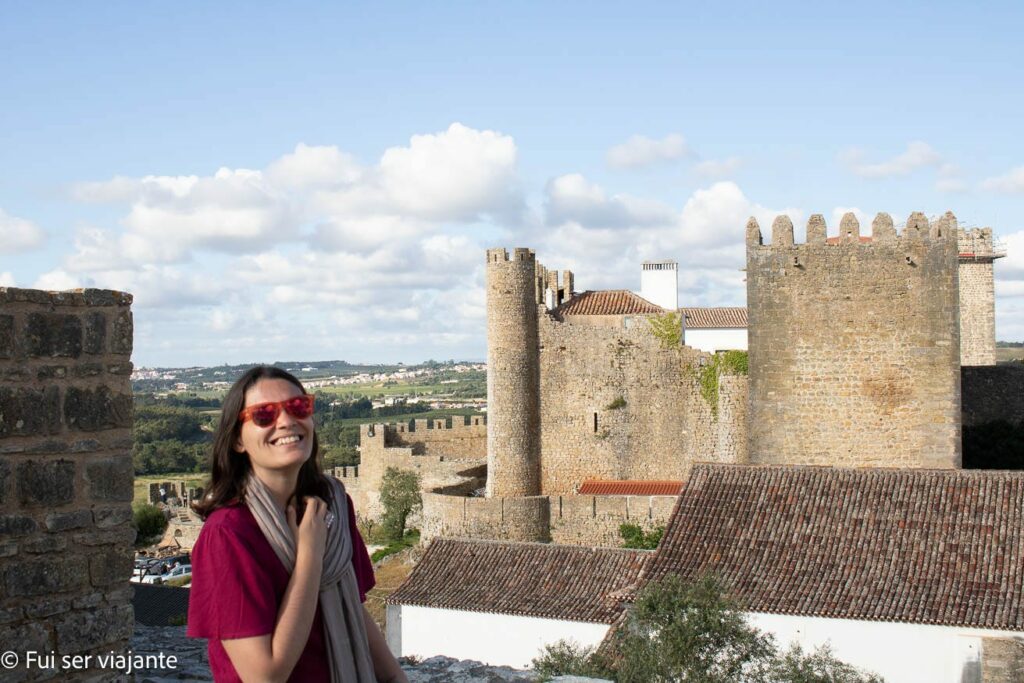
(607, 302)
(923, 546)
(698, 318)
(604, 487)
(528, 579)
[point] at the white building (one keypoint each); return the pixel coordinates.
(500, 603)
(715, 329)
(916, 575)
(659, 283)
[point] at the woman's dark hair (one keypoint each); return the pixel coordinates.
(230, 469)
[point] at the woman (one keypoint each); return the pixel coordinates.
(279, 571)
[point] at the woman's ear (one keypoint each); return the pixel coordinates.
(239, 448)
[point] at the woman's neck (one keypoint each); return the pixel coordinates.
(280, 484)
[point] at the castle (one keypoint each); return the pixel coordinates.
(865, 351)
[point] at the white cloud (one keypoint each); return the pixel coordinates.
(640, 150)
(314, 167)
(950, 179)
(917, 155)
(58, 280)
(718, 168)
(6, 279)
(18, 234)
(1011, 182)
(572, 198)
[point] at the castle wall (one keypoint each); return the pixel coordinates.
(442, 456)
(514, 294)
(991, 393)
(854, 347)
(977, 298)
(617, 405)
(65, 474)
(498, 518)
(570, 520)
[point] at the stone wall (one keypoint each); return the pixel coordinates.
(854, 346)
(991, 393)
(570, 520)
(595, 520)
(616, 404)
(65, 475)
(498, 518)
(443, 457)
(977, 297)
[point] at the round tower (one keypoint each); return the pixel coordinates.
(513, 375)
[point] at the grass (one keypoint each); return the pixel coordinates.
(142, 482)
(411, 538)
(389, 574)
(1004, 354)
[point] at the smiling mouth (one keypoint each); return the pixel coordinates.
(286, 440)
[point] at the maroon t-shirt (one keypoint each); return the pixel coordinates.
(238, 584)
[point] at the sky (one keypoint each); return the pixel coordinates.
(319, 181)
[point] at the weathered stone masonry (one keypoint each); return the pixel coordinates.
(854, 347)
(65, 475)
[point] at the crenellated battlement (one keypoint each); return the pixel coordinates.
(500, 254)
(473, 425)
(916, 230)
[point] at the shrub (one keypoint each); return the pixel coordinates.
(633, 536)
(667, 329)
(149, 520)
(619, 402)
(568, 658)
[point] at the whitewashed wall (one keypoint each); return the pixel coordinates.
(497, 639)
(721, 339)
(900, 653)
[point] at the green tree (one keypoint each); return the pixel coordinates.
(149, 520)
(400, 496)
(633, 536)
(693, 633)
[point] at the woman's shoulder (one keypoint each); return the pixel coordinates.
(234, 518)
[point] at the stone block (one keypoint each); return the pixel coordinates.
(90, 629)
(121, 343)
(7, 615)
(49, 335)
(9, 549)
(48, 483)
(5, 481)
(120, 368)
(40, 609)
(25, 637)
(95, 333)
(62, 521)
(28, 412)
(117, 536)
(45, 544)
(110, 566)
(94, 409)
(111, 517)
(17, 525)
(88, 601)
(49, 575)
(6, 336)
(110, 479)
(87, 370)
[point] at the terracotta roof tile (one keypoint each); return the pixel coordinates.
(924, 546)
(606, 487)
(607, 302)
(528, 579)
(697, 318)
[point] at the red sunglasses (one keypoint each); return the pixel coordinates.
(266, 414)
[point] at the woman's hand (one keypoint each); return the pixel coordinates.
(311, 533)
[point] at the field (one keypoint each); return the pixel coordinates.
(1004, 354)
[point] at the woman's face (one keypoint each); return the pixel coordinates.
(285, 444)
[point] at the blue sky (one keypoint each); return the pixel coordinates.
(320, 180)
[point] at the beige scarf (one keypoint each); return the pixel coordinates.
(345, 632)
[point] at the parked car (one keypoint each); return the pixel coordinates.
(179, 572)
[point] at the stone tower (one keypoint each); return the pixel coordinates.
(513, 374)
(854, 344)
(977, 297)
